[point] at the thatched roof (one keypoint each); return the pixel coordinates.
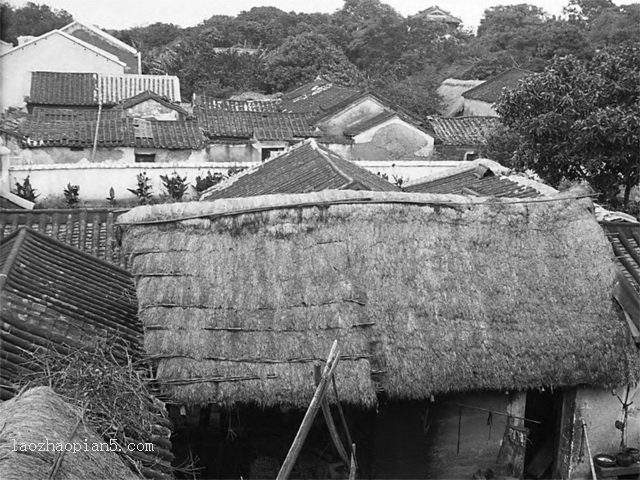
(38, 415)
(426, 293)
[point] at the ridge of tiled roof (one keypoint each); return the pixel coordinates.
(491, 90)
(150, 95)
(261, 125)
(78, 129)
(305, 167)
(205, 101)
(478, 179)
(463, 130)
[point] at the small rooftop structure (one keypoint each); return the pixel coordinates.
(305, 167)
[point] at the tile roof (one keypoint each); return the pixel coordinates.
(272, 105)
(491, 90)
(58, 88)
(92, 231)
(89, 89)
(478, 180)
(149, 95)
(463, 130)
(625, 241)
(69, 128)
(54, 296)
(317, 97)
(306, 167)
(263, 125)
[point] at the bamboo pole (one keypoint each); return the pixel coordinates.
(586, 439)
(307, 421)
(353, 468)
(331, 426)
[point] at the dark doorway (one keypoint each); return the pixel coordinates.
(546, 408)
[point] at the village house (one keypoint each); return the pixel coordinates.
(248, 132)
(436, 14)
(432, 299)
(481, 99)
(74, 48)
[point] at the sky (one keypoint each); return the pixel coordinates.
(122, 14)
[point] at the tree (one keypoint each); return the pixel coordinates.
(32, 19)
(580, 120)
(302, 58)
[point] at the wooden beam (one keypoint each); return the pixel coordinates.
(310, 415)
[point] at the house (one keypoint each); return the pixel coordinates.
(432, 299)
(248, 131)
(100, 150)
(362, 126)
(104, 41)
(54, 51)
(481, 100)
(436, 14)
(305, 167)
(482, 178)
(461, 138)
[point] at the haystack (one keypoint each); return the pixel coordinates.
(426, 294)
(38, 415)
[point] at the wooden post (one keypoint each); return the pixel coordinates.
(310, 415)
(328, 418)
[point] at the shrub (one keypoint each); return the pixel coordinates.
(143, 189)
(26, 191)
(71, 195)
(175, 185)
(208, 181)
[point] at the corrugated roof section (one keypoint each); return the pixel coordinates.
(115, 88)
(307, 167)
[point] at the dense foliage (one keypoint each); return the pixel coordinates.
(580, 120)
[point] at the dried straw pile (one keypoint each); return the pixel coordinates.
(426, 294)
(38, 415)
(112, 387)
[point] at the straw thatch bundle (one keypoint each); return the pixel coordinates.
(38, 415)
(426, 294)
